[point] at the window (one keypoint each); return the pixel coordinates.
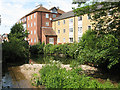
(71, 40)
(47, 23)
(58, 22)
(34, 15)
(54, 16)
(51, 40)
(63, 30)
(89, 27)
(28, 25)
(89, 16)
(31, 40)
(34, 31)
(31, 24)
(31, 32)
(47, 15)
(58, 31)
(71, 20)
(70, 29)
(31, 16)
(34, 40)
(63, 39)
(80, 18)
(58, 39)
(63, 21)
(28, 17)
(79, 29)
(34, 24)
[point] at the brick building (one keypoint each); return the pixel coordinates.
(39, 25)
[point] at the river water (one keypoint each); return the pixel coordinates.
(13, 78)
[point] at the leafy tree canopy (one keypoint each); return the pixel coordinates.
(105, 15)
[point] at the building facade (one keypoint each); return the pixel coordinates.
(39, 25)
(70, 28)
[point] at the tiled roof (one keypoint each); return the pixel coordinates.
(48, 32)
(65, 15)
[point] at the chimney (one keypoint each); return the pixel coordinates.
(57, 7)
(39, 5)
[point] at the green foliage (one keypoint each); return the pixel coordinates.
(37, 49)
(53, 76)
(66, 49)
(16, 49)
(102, 50)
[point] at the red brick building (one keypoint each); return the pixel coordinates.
(39, 25)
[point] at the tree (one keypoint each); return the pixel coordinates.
(105, 15)
(16, 49)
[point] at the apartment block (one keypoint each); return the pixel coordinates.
(39, 25)
(70, 28)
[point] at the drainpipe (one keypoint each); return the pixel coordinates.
(41, 29)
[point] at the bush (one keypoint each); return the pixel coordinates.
(15, 50)
(101, 50)
(53, 76)
(37, 49)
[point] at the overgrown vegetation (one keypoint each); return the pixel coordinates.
(53, 76)
(16, 49)
(37, 49)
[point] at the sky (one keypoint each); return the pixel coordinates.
(12, 10)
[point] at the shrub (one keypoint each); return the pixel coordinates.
(37, 49)
(101, 50)
(15, 50)
(53, 76)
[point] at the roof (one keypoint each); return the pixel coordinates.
(49, 32)
(65, 15)
(58, 10)
(41, 8)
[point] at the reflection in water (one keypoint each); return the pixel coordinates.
(44, 59)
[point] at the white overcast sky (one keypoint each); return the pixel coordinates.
(12, 10)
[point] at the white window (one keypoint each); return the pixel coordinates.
(89, 27)
(51, 40)
(58, 31)
(31, 40)
(47, 15)
(28, 17)
(58, 39)
(58, 22)
(47, 23)
(63, 21)
(34, 31)
(89, 16)
(31, 24)
(28, 25)
(80, 18)
(79, 29)
(34, 15)
(31, 16)
(70, 29)
(31, 32)
(71, 20)
(34, 24)
(54, 16)
(34, 40)
(71, 40)
(20, 20)
(63, 39)
(63, 30)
